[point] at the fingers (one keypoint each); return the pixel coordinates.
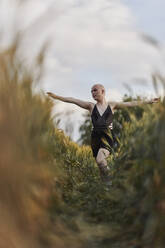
(49, 94)
(155, 100)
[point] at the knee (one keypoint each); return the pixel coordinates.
(99, 160)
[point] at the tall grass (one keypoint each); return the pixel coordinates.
(27, 172)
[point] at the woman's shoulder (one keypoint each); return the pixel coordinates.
(112, 106)
(92, 105)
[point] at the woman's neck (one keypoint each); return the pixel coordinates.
(102, 102)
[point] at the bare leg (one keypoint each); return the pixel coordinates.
(102, 163)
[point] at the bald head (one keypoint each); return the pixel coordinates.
(98, 91)
(99, 86)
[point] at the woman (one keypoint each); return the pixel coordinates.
(102, 137)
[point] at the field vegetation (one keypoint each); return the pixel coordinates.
(51, 195)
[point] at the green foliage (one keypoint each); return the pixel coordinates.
(123, 115)
(85, 130)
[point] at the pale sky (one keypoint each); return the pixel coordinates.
(90, 41)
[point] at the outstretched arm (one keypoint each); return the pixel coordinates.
(80, 103)
(119, 105)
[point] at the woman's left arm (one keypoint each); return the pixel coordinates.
(119, 105)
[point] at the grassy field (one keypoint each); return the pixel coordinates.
(51, 195)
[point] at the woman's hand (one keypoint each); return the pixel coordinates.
(51, 94)
(155, 100)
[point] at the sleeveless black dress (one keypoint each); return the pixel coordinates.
(102, 135)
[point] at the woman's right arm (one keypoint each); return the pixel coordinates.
(80, 103)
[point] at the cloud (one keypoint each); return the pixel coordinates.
(114, 95)
(101, 36)
(98, 37)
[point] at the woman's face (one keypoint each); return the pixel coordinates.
(97, 92)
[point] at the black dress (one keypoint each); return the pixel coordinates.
(102, 135)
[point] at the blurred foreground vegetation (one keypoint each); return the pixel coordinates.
(51, 195)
